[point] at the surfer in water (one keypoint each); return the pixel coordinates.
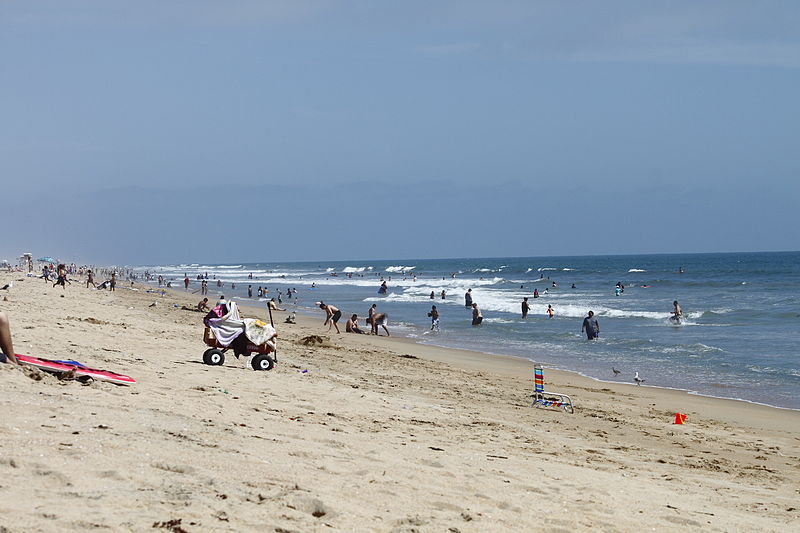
(677, 313)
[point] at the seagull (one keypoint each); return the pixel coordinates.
(6, 287)
(637, 379)
(615, 371)
(152, 304)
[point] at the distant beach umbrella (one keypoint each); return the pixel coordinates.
(47, 259)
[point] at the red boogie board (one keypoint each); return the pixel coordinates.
(80, 370)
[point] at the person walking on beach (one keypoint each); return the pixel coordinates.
(332, 316)
(6, 346)
(591, 326)
(62, 277)
(113, 283)
(550, 311)
(468, 298)
(434, 314)
(372, 311)
(90, 279)
(526, 307)
(477, 317)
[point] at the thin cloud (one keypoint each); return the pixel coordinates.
(449, 49)
(783, 55)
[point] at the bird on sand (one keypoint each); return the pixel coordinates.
(6, 287)
(637, 379)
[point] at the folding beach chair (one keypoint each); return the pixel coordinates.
(543, 398)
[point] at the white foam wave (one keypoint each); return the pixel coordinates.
(400, 268)
(636, 270)
(353, 270)
(546, 268)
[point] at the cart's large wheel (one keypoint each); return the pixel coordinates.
(213, 357)
(262, 362)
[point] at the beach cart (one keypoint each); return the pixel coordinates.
(215, 355)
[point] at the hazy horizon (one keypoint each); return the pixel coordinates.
(164, 132)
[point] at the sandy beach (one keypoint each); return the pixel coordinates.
(358, 433)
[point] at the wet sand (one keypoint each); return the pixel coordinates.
(358, 433)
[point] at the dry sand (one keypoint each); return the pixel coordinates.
(380, 434)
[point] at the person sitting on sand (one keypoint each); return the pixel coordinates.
(352, 325)
(6, 346)
(203, 305)
(379, 319)
(332, 316)
(273, 306)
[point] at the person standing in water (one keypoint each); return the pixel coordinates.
(677, 312)
(468, 298)
(591, 326)
(434, 314)
(550, 311)
(477, 317)
(526, 307)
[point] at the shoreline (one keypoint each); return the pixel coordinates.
(308, 314)
(356, 432)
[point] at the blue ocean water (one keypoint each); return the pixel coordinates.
(738, 340)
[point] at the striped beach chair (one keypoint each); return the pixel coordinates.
(543, 398)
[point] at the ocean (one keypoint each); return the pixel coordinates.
(742, 311)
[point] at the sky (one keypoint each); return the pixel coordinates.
(162, 131)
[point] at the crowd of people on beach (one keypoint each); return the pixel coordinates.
(59, 275)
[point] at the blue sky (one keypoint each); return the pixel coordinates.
(172, 131)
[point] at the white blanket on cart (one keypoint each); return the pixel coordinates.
(227, 327)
